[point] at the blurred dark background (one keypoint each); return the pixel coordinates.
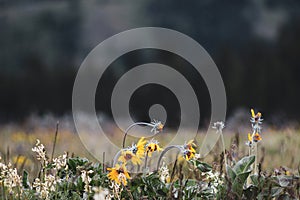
(255, 44)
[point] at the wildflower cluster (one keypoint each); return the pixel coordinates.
(256, 122)
(86, 179)
(134, 154)
(59, 172)
(60, 162)
(141, 151)
(255, 136)
(214, 180)
(189, 177)
(44, 187)
(9, 178)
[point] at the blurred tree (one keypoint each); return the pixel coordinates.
(38, 53)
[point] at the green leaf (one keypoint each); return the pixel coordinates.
(244, 164)
(72, 165)
(254, 179)
(162, 192)
(239, 182)
(231, 173)
(191, 182)
(275, 191)
(25, 179)
(203, 167)
(80, 184)
(258, 182)
(267, 193)
(283, 181)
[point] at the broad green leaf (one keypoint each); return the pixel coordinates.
(267, 193)
(230, 173)
(203, 167)
(239, 182)
(259, 182)
(275, 191)
(244, 164)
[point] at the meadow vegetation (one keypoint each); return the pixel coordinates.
(261, 164)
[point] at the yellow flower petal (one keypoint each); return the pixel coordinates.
(252, 113)
(249, 137)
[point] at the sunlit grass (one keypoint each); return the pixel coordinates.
(278, 148)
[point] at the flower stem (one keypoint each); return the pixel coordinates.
(255, 162)
(117, 157)
(146, 160)
(249, 151)
(224, 150)
(131, 126)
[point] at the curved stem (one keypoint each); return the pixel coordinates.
(132, 125)
(116, 157)
(165, 151)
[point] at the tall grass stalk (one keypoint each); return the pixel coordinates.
(55, 140)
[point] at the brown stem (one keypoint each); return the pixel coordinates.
(55, 139)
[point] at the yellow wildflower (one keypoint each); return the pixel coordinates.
(128, 155)
(189, 155)
(191, 146)
(256, 116)
(249, 137)
(152, 146)
(134, 153)
(189, 150)
(118, 174)
(140, 147)
(254, 137)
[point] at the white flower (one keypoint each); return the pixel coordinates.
(117, 190)
(44, 188)
(10, 178)
(163, 172)
(101, 193)
(218, 126)
(214, 180)
(60, 162)
(40, 151)
(86, 179)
